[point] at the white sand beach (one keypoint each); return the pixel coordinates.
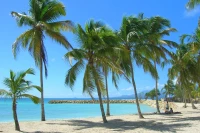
(188, 121)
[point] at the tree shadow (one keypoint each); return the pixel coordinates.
(39, 132)
(121, 125)
(187, 119)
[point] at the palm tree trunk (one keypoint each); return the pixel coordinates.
(42, 91)
(135, 91)
(156, 90)
(185, 100)
(14, 107)
(108, 101)
(100, 100)
(101, 104)
(185, 103)
(193, 106)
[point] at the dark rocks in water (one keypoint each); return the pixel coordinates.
(88, 101)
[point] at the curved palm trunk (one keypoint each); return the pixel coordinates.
(156, 90)
(135, 90)
(14, 107)
(101, 103)
(42, 92)
(108, 101)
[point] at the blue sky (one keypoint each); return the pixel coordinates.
(80, 11)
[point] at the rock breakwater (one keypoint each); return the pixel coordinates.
(89, 101)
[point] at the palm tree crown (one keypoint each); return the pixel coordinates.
(41, 20)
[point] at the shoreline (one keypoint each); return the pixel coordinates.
(188, 121)
(150, 103)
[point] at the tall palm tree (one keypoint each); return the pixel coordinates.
(92, 55)
(42, 22)
(18, 87)
(158, 28)
(118, 57)
(132, 35)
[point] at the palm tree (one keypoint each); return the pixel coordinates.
(178, 92)
(169, 88)
(183, 67)
(193, 43)
(41, 20)
(118, 58)
(132, 36)
(191, 94)
(159, 27)
(192, 3)
(153, 93)
(93, 54)
(18, 88)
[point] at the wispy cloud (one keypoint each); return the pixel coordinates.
(160, 85)
(53, 60)
(192, 13)
(147, 87)
(127, 89)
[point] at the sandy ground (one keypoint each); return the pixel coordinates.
(188, 121)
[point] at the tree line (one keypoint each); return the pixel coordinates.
(139, 40)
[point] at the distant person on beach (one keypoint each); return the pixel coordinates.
(171, 111)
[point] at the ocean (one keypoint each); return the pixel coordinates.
(28, 111)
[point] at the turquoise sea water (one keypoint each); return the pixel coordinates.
(28, 111)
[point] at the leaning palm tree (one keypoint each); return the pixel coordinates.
(93, 54)
(18, 87)
(158, 28)
(41, 20)
(132, 36)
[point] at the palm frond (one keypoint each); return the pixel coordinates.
(88, 81)
(35, 99)
(22, 19)
(5, 93)
(23, 39)
(192, 3)
(61, 25)
(52, 11)
(73, 72)
(58, 37)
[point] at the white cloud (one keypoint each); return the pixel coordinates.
(160, 85)
(147, 87)
(53, 60)
(192, 13)
(115, 94)
(127, 89)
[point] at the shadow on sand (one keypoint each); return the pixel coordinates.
(121, 125)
